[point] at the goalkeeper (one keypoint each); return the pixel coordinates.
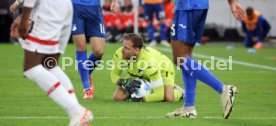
(143, 63)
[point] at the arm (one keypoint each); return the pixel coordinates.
(115, 8)
(237, 10)
(244, 27)
(263, 28)
(15, 5)
(156, 95)
(157, 85)
(116, 72)
(24, 23)
(266, 26)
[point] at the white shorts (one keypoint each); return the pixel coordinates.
(51, 29)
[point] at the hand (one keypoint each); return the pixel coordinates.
(14, 28)
(237, 11)
(122, 82)
(23, 28)
(14, 6)
(114, 7)
(131, 87)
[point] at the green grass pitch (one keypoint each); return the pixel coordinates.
(24, 104)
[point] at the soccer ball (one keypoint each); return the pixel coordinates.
(144, 89)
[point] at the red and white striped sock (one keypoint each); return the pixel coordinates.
(64, 80)
(50, 84)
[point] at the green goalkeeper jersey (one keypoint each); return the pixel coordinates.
(148, 65)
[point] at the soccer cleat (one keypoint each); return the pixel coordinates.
(259, 45)
(188, 112)
(251, 50)
(82, 119)
(227, 99)
(91, 85)
(165, 43)
(152, 44)
(88, 94)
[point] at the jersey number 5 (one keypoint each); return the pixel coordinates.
(173, 30)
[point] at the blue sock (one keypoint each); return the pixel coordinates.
(151, 32)
(95, 60)
(190, 88)
(163, 32)
(81, 58)
(199, 72)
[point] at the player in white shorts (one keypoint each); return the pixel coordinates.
(50, 28)
(46, 37)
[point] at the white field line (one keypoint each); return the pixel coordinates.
(129, 117)
(227, 60)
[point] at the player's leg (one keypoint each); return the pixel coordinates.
(94, 29)
(181, 50)
(249, 42)
(149, 17)
(160, 13)
(182, 44)
(119, 94)
(79, 38)
(192, 70)
(84, 116)
(49, 83)
(260, 36)
(98, 47)
(57, 71)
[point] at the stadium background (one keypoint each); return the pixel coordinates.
(220, 24)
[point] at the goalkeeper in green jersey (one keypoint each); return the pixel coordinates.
(138, 61)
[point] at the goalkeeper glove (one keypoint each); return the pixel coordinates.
(132, 86)
(135, 99)
(121, 82)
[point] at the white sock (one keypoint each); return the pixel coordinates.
(64, 80)
(51, 85)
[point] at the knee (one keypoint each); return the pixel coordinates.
(80, 43)
(98, 52)
(80, 46)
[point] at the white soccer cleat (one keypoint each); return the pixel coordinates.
(82, 119)
(165, 43)
(189, 112)
(227, 99)
(152, 44)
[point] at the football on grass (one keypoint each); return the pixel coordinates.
(144, 89)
